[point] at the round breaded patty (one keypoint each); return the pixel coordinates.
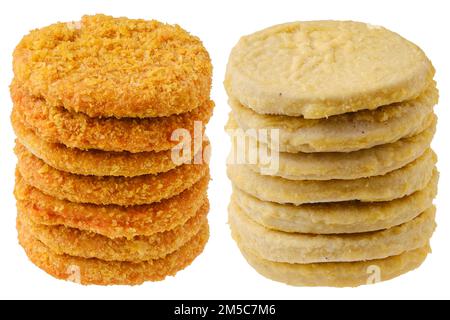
(396, 184)
(317, 69)
(107, 190)
(96, 162)
(337, 217)
(345, 132)
(74, 242)
(115, 67)
(76, 130)
(338, 274)
(99, 272)
(301, 248)
(364, 163)
(111, 221)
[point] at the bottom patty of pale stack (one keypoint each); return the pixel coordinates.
(338, 274)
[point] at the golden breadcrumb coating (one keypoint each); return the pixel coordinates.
(76, 130)
(74, 242)
(107, 190)
(96, 162)
(105, 66)
(111, 221)
(99, 272)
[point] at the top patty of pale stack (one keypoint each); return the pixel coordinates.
(324, 68)
(115, 67)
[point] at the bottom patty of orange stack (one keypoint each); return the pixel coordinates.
(100, 272)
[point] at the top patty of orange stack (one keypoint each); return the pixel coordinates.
(115, 67)
(111, 84)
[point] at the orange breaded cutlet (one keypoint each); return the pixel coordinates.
(76, 130)
(111, 221)
(99, 272)
(115, 67)
(107, 190)
(74, 242)
(97, 162)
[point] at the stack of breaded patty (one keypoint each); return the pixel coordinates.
(105, 193)
(350, 109)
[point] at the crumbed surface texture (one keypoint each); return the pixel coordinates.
(364, 163)
(107, 190)
(301, 248)
(99, 272)
(396, 184)
(76, 130)
(74, 242)
(346, 132)
(337, 274)
(104, 66)
(96, 162)
(111, 221)
(338, 217)
(318, 69)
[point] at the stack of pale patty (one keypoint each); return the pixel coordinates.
(350, 201)
(100, 197)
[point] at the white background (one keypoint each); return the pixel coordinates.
(221, 272)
